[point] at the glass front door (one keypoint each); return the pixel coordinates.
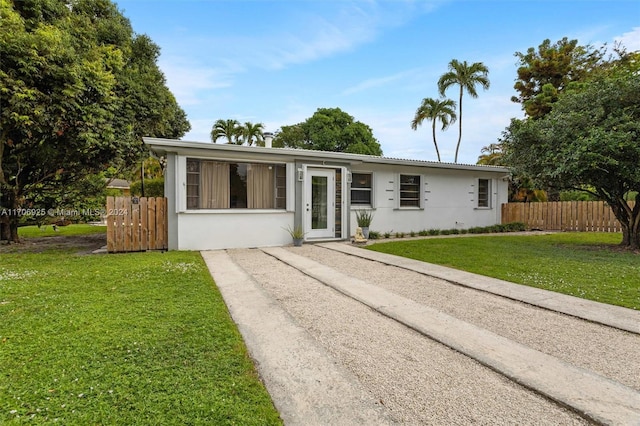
(320, 203)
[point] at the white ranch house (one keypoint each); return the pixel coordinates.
(229, 196)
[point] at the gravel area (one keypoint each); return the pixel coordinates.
(420, 381)
(610, 352)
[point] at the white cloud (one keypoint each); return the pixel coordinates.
(380, 81)
(630, 40)
(187, 80)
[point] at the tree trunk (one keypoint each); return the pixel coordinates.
(434, 138)
(459, 127)
(10, 219)
(629, 219)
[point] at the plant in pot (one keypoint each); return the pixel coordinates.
(364, 218)
(296, 234)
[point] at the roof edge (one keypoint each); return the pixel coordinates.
(163, 146)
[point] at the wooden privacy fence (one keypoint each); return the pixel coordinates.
(593, 216)
(136, 224)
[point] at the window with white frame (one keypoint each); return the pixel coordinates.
(484, 193)
(410, 190)
(228, 185)
(361, 189)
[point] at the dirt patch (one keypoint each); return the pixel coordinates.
(79, 244)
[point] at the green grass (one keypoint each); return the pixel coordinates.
(131, 339)
(586, 265)
(48, 231)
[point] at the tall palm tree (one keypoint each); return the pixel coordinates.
(467, 77)
(252, 132)
(225, 129)
(434, 110)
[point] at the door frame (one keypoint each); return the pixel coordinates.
(330, 174)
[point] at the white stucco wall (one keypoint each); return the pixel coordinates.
(202, 230)
(449, 200)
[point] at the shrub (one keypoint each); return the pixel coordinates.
(152, 188)
(374, 235)
(433, 232)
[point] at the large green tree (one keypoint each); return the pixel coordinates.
(443, 110)
(467, 77)
(589, 139)
(78, 90)
(330, 129)
(545, 72)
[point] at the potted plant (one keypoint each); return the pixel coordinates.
(364, 219)
(296, 234)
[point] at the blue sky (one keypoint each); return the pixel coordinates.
(276, 62)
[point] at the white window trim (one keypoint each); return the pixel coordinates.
(420, 190)
(181, 187)
(489, 194)
(363, 206)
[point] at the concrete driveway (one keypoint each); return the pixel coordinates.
(342, 335)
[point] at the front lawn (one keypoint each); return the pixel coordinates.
(49, 231)
(141, 338)
(587, 265)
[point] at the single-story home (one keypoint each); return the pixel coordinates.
(231, 196)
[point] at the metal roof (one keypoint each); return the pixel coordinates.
(164, 146)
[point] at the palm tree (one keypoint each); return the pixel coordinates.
(225, 129)
(467, 77)
(251, 132)
(434, 110)
(491, 155)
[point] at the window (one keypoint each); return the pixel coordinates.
(222, 185)
(409, 190)
(361, 184)
(484, 193)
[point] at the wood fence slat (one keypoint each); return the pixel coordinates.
(126, 224)
(151, 211)
(137, 226)
(111, 205)
(119, 237)
(583, 216)
(144, 225)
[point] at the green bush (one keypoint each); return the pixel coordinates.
(152, 188)
(374, 235)
(433, 232)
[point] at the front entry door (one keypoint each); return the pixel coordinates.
(320, 198)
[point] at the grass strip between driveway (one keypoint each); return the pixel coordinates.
(142, 338)
(586, 265)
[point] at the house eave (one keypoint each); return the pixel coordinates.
(190, 148)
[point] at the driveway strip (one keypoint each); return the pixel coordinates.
(305, 383)
(593, 396)
(601, 313)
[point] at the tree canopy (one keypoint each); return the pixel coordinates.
(589, 139)
(79, 89)
(546, 72)
(330, 129)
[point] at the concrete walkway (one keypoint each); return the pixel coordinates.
(308, 387)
